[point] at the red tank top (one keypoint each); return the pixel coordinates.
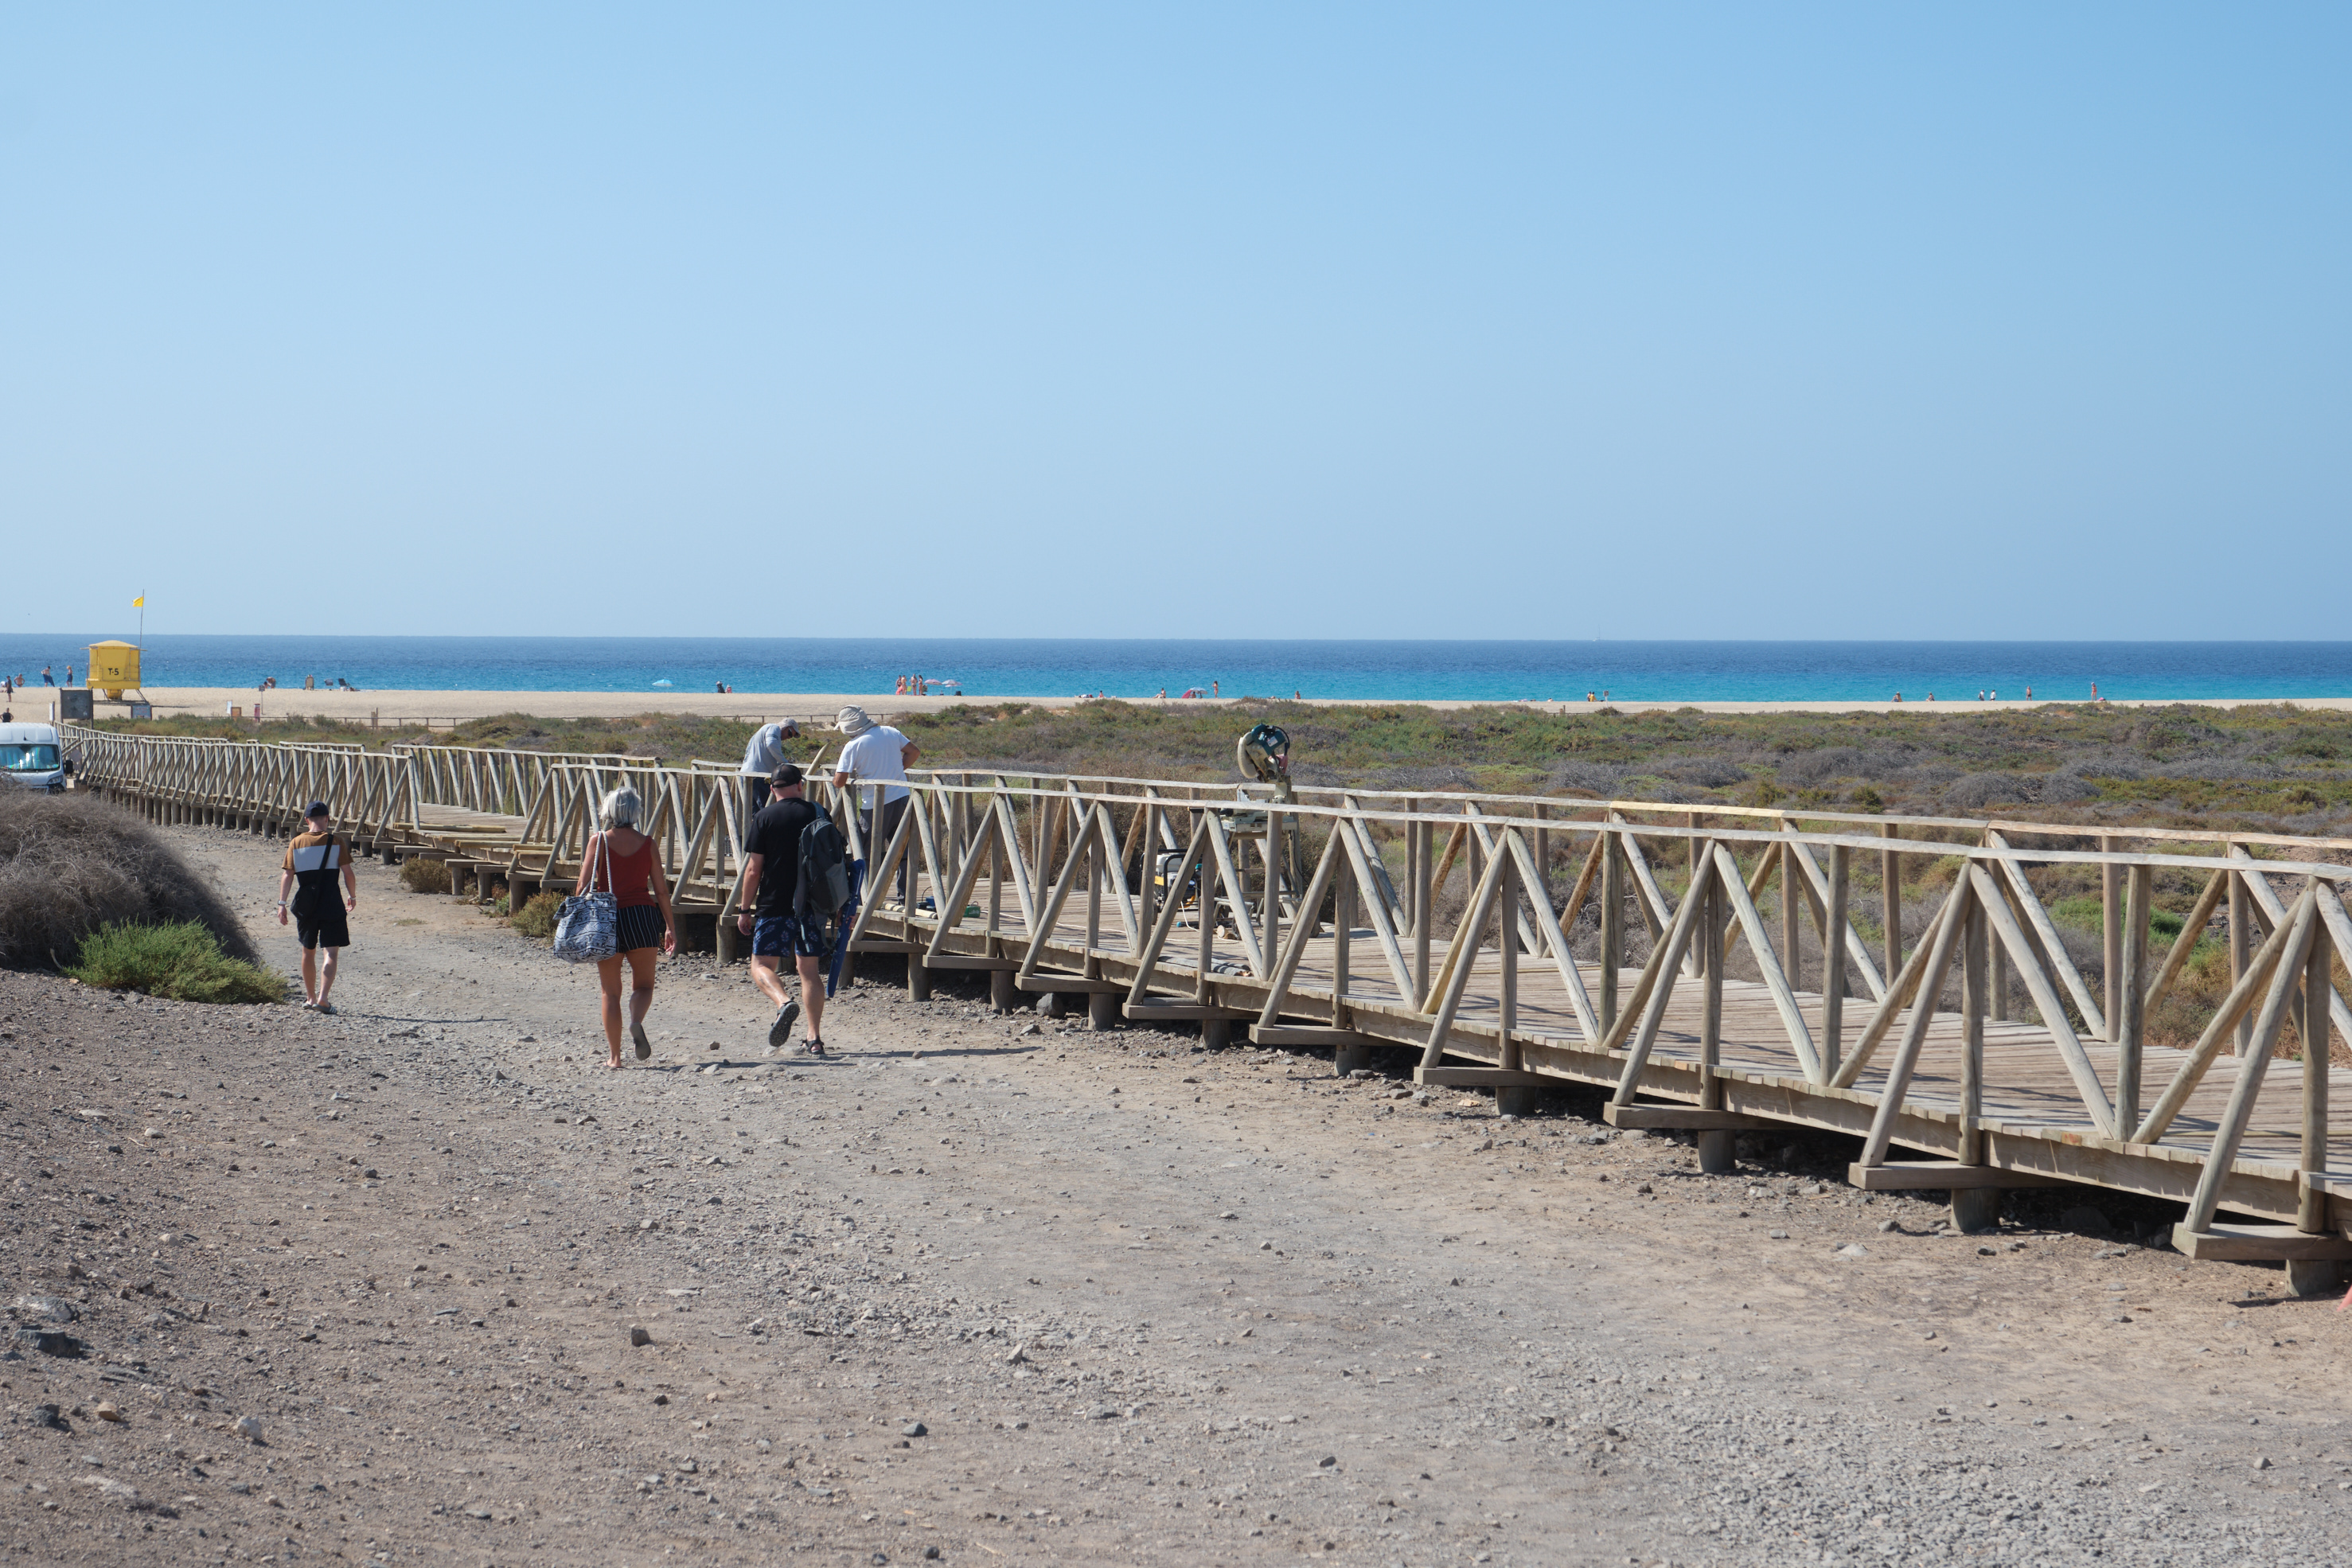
(633, 875)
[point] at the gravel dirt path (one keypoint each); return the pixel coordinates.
(1000, 1289)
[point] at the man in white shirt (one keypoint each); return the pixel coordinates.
(875, 755)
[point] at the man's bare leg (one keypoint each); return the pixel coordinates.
(310, 976)
(770, 983)
(813, 995)
(327, 957)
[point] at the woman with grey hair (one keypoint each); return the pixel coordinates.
(621, 859)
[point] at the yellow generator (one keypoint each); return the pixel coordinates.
(114, 668)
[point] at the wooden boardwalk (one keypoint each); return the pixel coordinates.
(1096, 887)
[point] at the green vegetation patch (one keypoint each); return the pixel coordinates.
(535, 919)
(180, 959)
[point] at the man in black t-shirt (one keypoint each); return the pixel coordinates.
(764, 904)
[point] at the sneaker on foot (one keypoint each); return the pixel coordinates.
(781, 1029)
(644, 1045)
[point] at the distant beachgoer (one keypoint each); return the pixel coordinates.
(1215, 688)
(2094, 691)
(1898, 697)
(623, 860)
(766, 910)
(762, 758)
(1931, 696)
(69, 675)
(313, 858)
(1163, 694)
(44, 677)
(2029, 694)
(877, 756)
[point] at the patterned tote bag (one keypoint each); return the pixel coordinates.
(585, 925)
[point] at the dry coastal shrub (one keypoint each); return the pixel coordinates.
(72, 863)
(420, 875)
(535, 919)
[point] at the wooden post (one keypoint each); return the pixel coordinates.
(1543, 854)
(1421, 894)
(995, 889)
(2133, 1030)
(1792, 948)
(2111, 926)
(1834, 961)
(1710, 953)
(1147, 834)
(1344, 1060)
(2311, 1213)
(1998, 981)
(1717, 1147)
(1270, 913)
(1205, 869)
(1974, 972)
(1612, 926)
(1710, 1029)
(1974, 1209)
(1343, 917)
(1094, 875)
(1507, 944)
(2240, 930)
(1890, 901)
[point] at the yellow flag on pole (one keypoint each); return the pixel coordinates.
(139, 603)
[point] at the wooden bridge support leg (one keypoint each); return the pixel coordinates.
(2314, 1276)
(1102, 1009)
(918, 978)
(727, 939)
(1976, 1210)
(1717, 1150)
(1003, 994)
(1216, 1034)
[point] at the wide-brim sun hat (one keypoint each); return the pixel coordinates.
(854, 721)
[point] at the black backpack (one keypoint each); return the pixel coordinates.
(824, 884)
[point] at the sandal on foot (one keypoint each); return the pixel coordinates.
(781, 1029)
(644, 1045)
(814, 1047)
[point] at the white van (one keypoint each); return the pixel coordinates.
(32, 757)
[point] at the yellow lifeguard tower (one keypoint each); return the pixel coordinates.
(114, 668)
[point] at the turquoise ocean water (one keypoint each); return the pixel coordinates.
(1498, 671)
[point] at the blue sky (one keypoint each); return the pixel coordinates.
(1544, 320)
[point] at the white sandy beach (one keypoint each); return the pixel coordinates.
(442, 708)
